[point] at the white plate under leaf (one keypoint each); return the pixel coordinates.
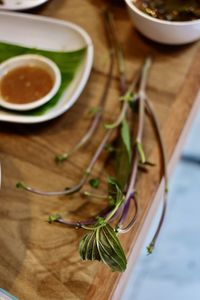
(47, 34)
(20, 4)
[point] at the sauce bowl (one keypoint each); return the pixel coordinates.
(30, 60)
(166, 32)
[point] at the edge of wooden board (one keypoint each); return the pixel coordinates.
(156, 202)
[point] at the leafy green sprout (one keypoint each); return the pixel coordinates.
(101, 242)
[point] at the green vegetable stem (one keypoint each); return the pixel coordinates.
(101, 241)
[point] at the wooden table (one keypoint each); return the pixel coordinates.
(40, 261)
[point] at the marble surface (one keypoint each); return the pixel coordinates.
(173, 270)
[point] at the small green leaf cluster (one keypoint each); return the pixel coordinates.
(53, 218)
(94, 182)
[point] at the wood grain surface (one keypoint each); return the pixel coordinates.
(39, 261)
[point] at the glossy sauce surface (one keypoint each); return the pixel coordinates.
(171, 10)
(26, 84)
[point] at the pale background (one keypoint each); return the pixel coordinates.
(173, 271)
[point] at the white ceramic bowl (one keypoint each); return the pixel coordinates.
(166, 32)
(31, 60)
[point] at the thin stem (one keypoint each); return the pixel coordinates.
(125, 211)
(83, 180)
(86, 137)
(84, 223)
(142, 95)
(118, 52)
(141, 99)
(98, 151)
(78, 224)
(132, 180)
(93, 195)
(120, 118)
(160, 224)
(69, 191)
(114, 45)
(113, 212)
(97, 118)
(153, 116)
(121, 67)
(144, 76)
(125, 229)
(117, 213)
(152, 113)
(125, 105)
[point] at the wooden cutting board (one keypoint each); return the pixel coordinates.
(40, 261)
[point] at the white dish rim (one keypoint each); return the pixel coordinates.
(20, 7)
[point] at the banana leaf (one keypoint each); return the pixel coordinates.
(67, 62)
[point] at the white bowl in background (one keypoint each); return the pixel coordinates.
(31, 60)
(166, 32)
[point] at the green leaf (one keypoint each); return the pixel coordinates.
(103, 245)
(111, 200)
(93, 111)
(88, 248)
(119, 196)
(114, 241)
(141, 152)
(122, 165)
(128, 97)
(53, 218)
(150, 249)
(83, 245)
(110, 249)
(100, 221)
(123, 155)
(61, 158)
(94, 182)
(125, 134)
(113, 181)
(115, 192)
(21, 185)
(95, 252)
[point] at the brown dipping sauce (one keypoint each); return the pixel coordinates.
(26, 84)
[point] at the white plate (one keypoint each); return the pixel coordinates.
(20, 4)
(49, 34)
